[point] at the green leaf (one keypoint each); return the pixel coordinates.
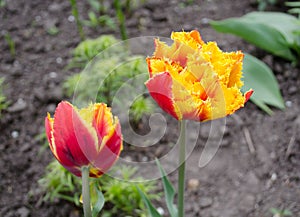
(284, 23)
(169, 191)
(261, 29)
(292, 4)
(259, 77)
(99, 203)
(152, 211)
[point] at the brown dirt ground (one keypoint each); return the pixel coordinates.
(235, 183)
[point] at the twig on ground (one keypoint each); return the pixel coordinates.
(246, 132)
(249, 140)
(289, 150)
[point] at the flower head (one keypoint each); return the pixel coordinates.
(87, 137)
(195, 80)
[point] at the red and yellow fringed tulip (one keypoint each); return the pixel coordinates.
(87, 137)
(195, 80)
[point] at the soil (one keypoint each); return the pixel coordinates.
(240, 180)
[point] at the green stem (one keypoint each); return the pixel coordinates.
(85, 173)
(181, 170)
(78, 21)
(121, 19)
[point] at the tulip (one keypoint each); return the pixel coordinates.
(195, 80)
(89, 137)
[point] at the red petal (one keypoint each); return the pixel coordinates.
(49, 134)
(103, 121)
(71, 136)
(111, 151)
(49, 129)
(248, 95)
(108, 129)
(160, 88)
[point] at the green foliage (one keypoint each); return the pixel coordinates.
(53, 30)
(11, 44)
(123, 194)
(151, 209)
(2, 3)
(169, 191)
(3, 102)
(89, 48)
(75, 13)
(274, 32)
(169, 196)
(295, 8)
(186, 3)
(58, 183)
(121, 19)
(280, 213)
(98, 15)
(104, 20)
(259, 77)
(141, 106)
(113, 69)
(262, 4)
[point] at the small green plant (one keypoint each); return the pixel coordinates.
(89, 48)
(53, 30)
(186, 3)
(139, 108)
(58, 183)
(123, 194)
(104, 20)
(102, 79)
(280, 213)
(11, 44)
(2, 3)
(98, 15)
(263, 4)
(77, 18)
(121, 19)
(3, 102)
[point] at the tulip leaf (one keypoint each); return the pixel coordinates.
(169, 191)
(259, 77)
(273, 32)
(152, 211)
(99, 203)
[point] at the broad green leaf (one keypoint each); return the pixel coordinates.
(258, 33)
(169, 191)
(284, 23)
(259, 77)
(152, 211)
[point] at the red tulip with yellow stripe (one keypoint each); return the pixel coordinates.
(84, 137)
(195, 80)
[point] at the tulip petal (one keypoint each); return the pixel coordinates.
(72, 137)
(248, 95)
(103, 123)
(49, 133)
(191, 39)
(178, 52)
(160, 88)
(111, 150)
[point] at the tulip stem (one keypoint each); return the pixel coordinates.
(85, 173)
(181, 170)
